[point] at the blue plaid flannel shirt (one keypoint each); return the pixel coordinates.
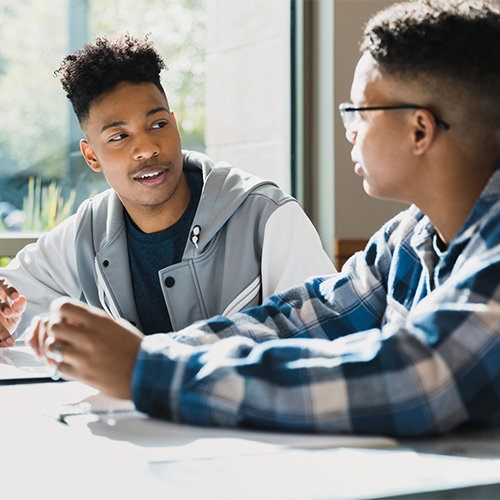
(404, 341)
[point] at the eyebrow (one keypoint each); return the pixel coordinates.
(148, 114)
(157, 110)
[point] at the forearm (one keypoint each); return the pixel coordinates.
(418, 378)
(292, 385)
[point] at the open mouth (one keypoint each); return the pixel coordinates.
(150, 176)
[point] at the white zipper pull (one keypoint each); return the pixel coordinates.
(195, 233)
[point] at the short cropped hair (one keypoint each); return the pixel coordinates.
(451, 47)
(88, 73)
(453, 38)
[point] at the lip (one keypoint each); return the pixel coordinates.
(358, 168)
(154, 176)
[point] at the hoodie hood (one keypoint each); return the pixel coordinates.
(225, 188)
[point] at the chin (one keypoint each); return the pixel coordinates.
(368, 189)
(372, 191)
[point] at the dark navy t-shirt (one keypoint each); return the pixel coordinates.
(149, 253)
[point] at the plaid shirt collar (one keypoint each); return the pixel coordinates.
(441, 265)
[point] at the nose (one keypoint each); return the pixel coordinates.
(350, 135)
(145, 147)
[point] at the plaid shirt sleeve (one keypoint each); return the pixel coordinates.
(348, 354)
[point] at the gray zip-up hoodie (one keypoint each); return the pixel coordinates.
(248, 240)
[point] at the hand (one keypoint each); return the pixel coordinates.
(99, 350)
(10, 313)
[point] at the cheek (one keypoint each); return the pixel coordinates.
(112, 160)
(173, 143)
(366, 147)
(379, 148)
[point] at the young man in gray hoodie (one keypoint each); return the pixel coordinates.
(177, 238)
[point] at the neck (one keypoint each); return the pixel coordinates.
(453, 193)
(155, 218)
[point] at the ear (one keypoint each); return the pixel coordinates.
(89, 155)
(424, 131)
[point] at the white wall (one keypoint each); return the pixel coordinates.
(248, 86)
(248, 103)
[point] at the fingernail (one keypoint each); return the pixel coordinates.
(10, 341)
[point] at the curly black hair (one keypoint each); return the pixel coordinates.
(455, 39)
(88, 73)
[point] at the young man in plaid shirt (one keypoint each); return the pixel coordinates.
(406, 339)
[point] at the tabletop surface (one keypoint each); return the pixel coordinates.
(107, 450)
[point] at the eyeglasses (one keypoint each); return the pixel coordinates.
(349, 116)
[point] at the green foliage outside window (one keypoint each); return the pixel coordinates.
(44, 206)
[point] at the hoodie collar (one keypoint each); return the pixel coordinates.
(225, 188)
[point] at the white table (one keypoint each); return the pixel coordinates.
(127, 455)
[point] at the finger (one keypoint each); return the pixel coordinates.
(38, 339)
(7, 290)
(42, 336)
(13, 307)
(6, 309)
(67, 371)
(76, 335)
(19, 305)
(46, 345)
(49, 344)
(65, 367)
(61, 347)
(75, 312)
(31, 336)
(7, 341)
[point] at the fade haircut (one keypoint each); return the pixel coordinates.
(88, 73)
(450, 46)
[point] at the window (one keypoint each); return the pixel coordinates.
(229, 57)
